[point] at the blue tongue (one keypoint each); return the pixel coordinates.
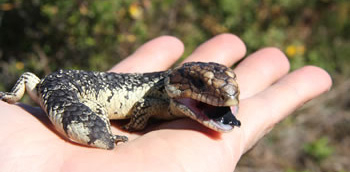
(221, 114)
(229, 119)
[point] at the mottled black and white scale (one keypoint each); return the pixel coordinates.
(81, 103)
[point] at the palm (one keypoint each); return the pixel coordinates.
(29, 142)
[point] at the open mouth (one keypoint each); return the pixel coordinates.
(218, 118)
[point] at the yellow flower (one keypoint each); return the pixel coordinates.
(135, 11)
(291, 50)
(6, 6)
(50, 10)
(83, 10)
(131, 38)
(19, 65)
(295, 50)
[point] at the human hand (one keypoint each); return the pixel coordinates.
(28, 141)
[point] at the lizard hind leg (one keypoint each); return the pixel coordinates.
(86, 122)
(26, 82)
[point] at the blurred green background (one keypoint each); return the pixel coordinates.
(42, 36)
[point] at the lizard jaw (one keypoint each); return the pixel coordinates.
(218, 118)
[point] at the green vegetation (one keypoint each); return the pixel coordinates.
(319, 149)
(42, 36)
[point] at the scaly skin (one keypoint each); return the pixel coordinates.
(81, 103)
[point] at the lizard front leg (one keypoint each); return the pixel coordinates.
(143, 110)
(26, 82)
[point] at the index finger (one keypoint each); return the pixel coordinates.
(155, 55)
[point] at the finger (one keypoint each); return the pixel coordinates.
(155, 55)
(225, 49)
(259, 70)
(260, 113)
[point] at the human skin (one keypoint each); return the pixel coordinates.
(269, 93)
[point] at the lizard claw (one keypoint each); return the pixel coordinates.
(119, 138)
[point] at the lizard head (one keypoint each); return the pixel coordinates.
(205, 92)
